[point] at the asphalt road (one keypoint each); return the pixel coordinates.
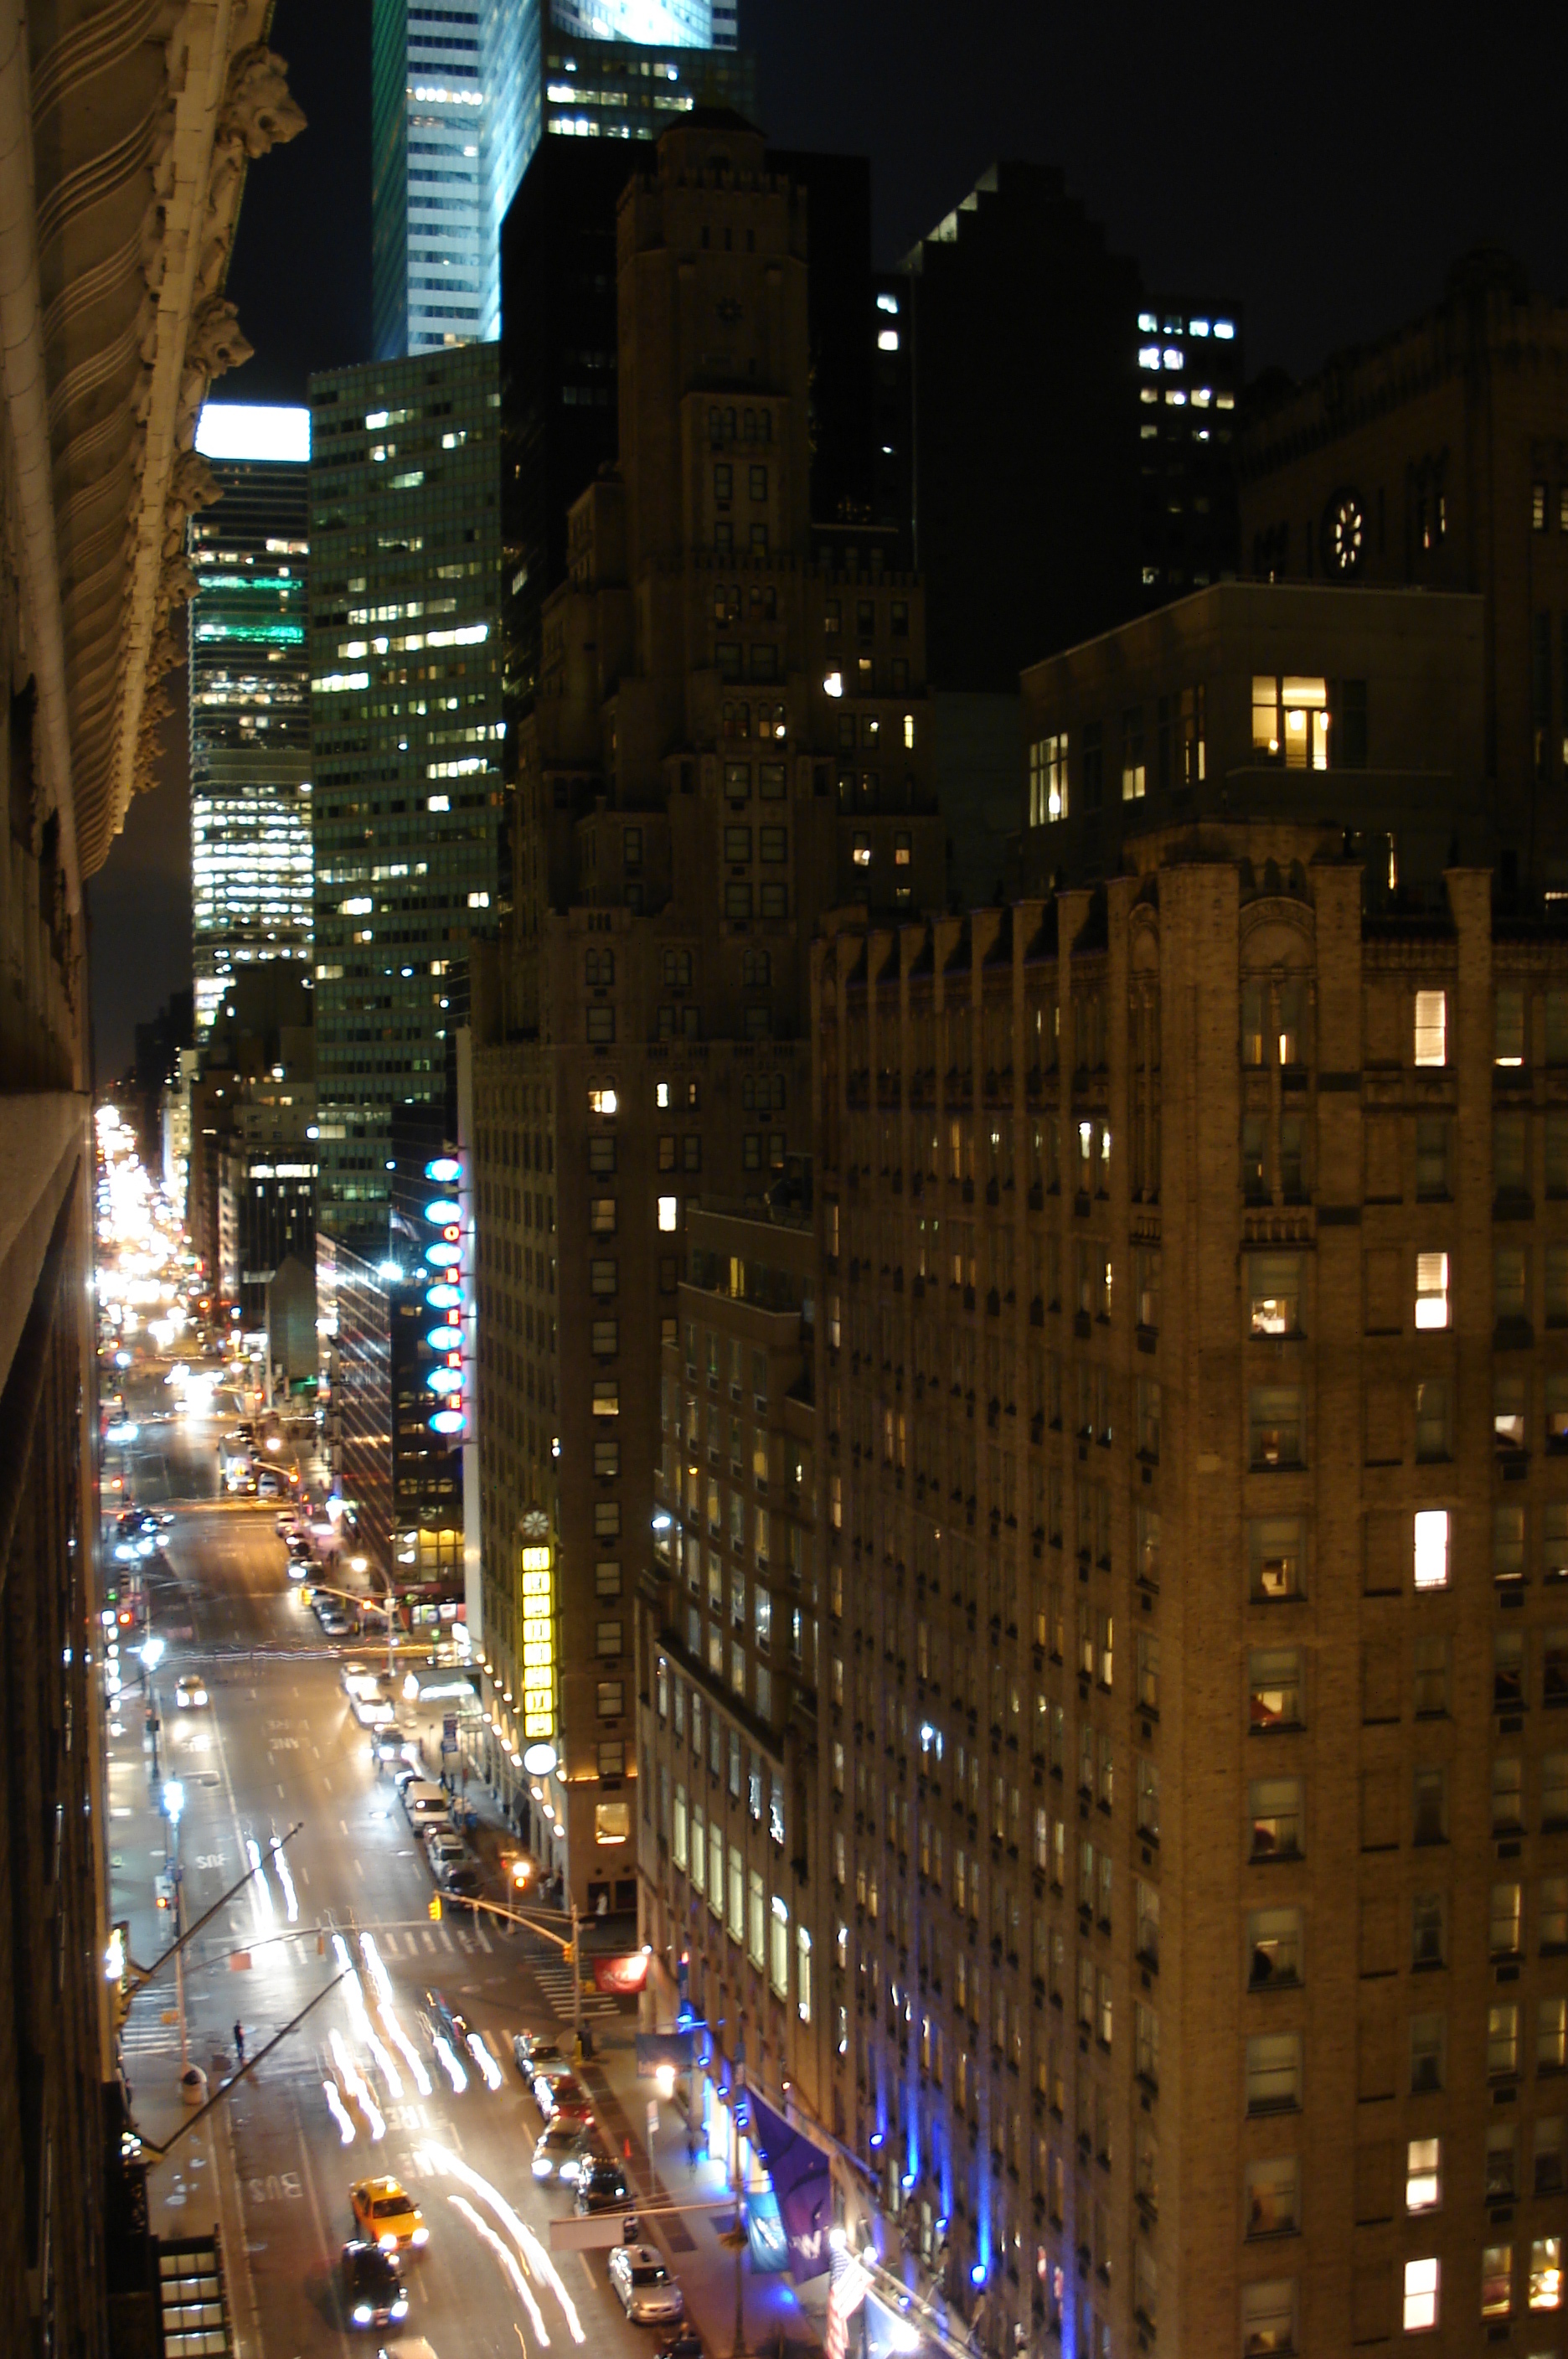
(277, 1745)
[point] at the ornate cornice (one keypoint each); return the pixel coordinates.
(144, 116)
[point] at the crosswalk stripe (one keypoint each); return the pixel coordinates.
(389, 1944)
(465, 1943)
(483, 1938)
(430, 1942)
(446, 1940)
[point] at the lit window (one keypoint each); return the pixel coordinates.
(1420, 2295)
(888, 303)
(1546, 2273)
(863, 852)
(1225, 330)
(1148, 356)
(833, 684)
(1173, 357)
(1291, 721)
(1431, 1027)
(1431, 1289)
(1424, 2175)
(602, 1100)
(666, 1214)
(1048, 779)
(908, 730)
(887, 339)
(1431, 1547)
(1148, 326)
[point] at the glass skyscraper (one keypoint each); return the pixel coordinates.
(462, 94)
(406, 733)
(250, 721)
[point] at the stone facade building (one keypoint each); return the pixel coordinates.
(729, 739)
(1193, 1377)
(1437, 458)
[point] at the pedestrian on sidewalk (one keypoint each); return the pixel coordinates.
(239, 2042)
(690, 2152)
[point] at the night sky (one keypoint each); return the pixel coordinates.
(1318, 168)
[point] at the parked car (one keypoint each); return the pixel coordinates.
(443, 1849)
(555, 2145)
(335, 1624)
(558, 2090)
(373, 2289)
(684, 2343)
(461, 1886)
(601, 2183)
(648, 2293)
(535, 2051)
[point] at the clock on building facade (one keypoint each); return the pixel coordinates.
(1343, 534)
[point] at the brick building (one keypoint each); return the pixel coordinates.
(1437, 457)
(729, 737)
(1358, 710)
(1192, 1381)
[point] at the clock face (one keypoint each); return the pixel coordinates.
(1345, 534)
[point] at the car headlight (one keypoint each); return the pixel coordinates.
(541, 2165)
(362, 2313)
(387, 2240)
(401, 2307)
(421, 2236)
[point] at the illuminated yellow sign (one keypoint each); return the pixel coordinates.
(538, 1645)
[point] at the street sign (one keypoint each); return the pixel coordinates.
(449, 1744)
(600, 2229)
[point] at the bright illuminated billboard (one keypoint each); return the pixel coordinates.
(243, 430)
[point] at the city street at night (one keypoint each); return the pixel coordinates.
(275, 1745)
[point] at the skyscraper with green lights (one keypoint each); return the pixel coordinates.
(406, 735)
(250, 718)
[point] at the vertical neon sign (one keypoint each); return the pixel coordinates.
(443, 1300)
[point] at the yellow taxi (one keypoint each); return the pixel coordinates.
(387, 2215)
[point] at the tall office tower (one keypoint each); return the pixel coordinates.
(461, 97)
(729, 737)
(102, 385)
(250, 703)
(405, 679)
(1433, 457)
(559, 379)
(1190, 1403)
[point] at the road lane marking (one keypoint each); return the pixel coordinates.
(359, 1867)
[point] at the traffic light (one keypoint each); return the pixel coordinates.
(435, 1907)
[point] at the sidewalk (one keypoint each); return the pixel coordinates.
(682, 2206)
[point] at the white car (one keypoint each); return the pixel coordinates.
(189, 1691)
(647, 2292)
(371, 1712)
